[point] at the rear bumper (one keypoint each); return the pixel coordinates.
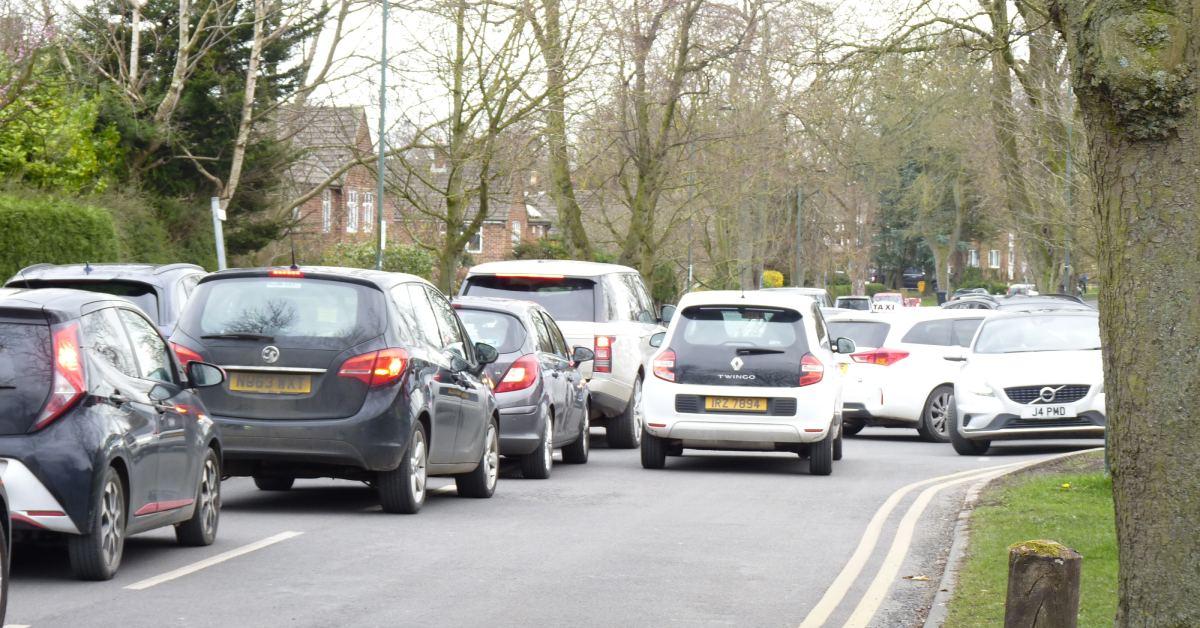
(30, 502)
(520, 430)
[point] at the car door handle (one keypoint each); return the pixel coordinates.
(117, 399)
(164, 407)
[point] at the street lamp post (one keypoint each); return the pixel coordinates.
(380, 205)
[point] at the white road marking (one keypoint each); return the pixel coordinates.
(845, 579)
(214, 560)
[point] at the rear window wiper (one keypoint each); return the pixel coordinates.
(238, 336)
(758, 351)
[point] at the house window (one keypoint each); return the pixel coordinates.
(993, 258)
(326, 210)
(973, 258)
(475, 244)
(516, 232)
(368, 211)
(352, 211)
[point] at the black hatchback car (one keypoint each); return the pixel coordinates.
(543, 398)
(161, 290)
(101, 436)
(344, 373)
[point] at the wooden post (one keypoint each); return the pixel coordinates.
(1043, 585)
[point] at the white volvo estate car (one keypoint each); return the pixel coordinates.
(747, 371)
(1030, 375)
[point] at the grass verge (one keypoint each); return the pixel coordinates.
(1070, 502)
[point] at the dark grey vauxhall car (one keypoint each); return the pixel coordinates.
(543, 398)
(344, 373)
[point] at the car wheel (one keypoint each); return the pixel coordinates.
(201, 529)
(402, 490)
(482, 481)
(935, 417)
(5, 559)
(270, 483)
(625, 431)
(963, 445)
(850, 428)
(577, 452)
(837, 445)
(820, 456)
(537, 465)
(97, 554)
(654, 452)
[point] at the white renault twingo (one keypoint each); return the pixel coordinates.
(751, 371)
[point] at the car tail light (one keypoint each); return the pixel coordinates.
(811, 370)
(293, 273)
(602, 363)
(186, 356)
(69, 381)
(377, 368)
(882, 357)
(521, 375)
(664, 366)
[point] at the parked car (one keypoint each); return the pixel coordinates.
(1018, 302)
(899, 377)
(1026, 289)
(542, 396)
(887, 302)
(967, 292)
(820, 295)
(746, 371)
(861, 303)
(344, 373)
(161, 290)
(1030, 375)
(604, 306)
(912, 278)
(101, 435)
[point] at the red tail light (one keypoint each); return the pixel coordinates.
(293, 273)
(377, 368)
(186, 356)
(602, 363)
(811, 370)
(69, 381)
(521, 375)
(882, 357)
(664, 366)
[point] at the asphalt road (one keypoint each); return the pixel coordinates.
(714, 540)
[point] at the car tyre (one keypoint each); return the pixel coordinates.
(820, 456)
(850, 428)
(537, 465)
(963, 445)
(97, 554)
(201, 529)
(654, 452)
(402, 490)
(577, 452)
(481, 483)
(625, 431)
(936, 416)
(837, 445)
(270, 483)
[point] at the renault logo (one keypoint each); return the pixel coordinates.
(270, 354)
(736, 364)
(1046, 395)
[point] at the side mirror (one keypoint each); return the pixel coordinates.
(486, 353)
(204, 375)
(657, 340)
(580, 355)
(667, 313)
(162, 392)
(844, 346)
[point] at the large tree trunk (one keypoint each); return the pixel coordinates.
(1134, 76)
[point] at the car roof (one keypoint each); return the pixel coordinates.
(854, 296)
(63, 302)
(144, 273)
(909, 315)
(379, 278)
(568, 268)
(495, 304)
(1089, 313)
(757, 298)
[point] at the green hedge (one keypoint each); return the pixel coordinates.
(35, 229)
(397, 258)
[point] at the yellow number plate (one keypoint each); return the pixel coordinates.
(270, 383)
(736, 404)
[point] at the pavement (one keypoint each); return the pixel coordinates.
(716, 539)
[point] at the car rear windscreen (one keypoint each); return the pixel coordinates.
(567, 298)
(288, 308)
(742, 327)
(25, 374)
(141, 294)
(863, 333)
(502, 331)
(741, 346)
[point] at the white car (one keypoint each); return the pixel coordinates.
(751, 371)
(603, 306)
(887, 302)
(1030, 375)
(899, 377)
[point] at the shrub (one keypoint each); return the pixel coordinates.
(875, 288)
(772, 279)
(545, 248)
(35, 229)
(840, 290)
(397, 258)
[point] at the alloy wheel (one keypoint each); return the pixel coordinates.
(548, 445)
(491, 459)
(586, 434)
(210, 496)
(417, 462)
(939, 412)
(638, 412)
(112, 522)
